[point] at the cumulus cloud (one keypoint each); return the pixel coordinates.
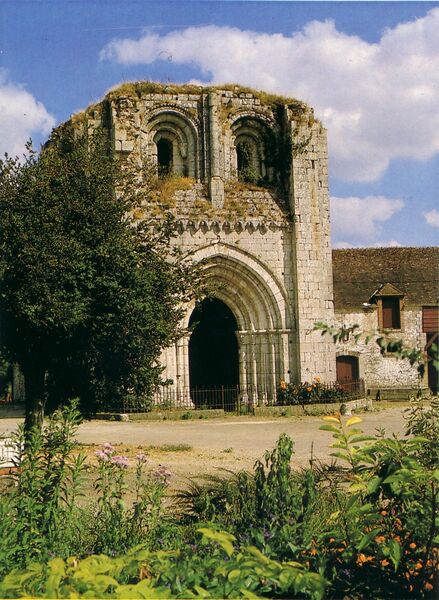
(432, 217)
(379, 101)
(383, 244)
(359, 220)
(21, 117)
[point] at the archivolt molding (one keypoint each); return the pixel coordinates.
(257, 299)
(250, 114)
(172, 109)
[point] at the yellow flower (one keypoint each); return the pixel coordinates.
(317, 379)
(308, 389)
(283, 385)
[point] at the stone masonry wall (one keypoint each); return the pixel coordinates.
(383, 372)
(266, 246)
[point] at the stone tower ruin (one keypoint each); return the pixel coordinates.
(249, 191)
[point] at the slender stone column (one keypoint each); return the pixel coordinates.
(216, 184)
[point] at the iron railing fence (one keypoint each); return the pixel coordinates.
(243, 400)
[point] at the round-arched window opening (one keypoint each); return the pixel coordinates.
(247, 163)
(164, 157)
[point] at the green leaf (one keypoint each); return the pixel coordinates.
(222, 538)
(329, 428)
(367, 538)
(395, 553)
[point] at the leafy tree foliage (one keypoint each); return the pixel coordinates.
(88, 296)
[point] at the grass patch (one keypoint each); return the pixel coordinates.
(171, 448)
(140, 88)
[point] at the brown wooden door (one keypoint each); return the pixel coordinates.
(432, 343)
(347, 368)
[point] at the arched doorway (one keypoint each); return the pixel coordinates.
(213, 355)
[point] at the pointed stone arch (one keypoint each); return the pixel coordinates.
(259, 304)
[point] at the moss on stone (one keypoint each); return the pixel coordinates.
(141, 88)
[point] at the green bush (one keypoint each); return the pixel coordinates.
(45, 514)
(302, 394)
(364, 526)
(219, 572)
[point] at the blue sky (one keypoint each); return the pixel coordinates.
(370, 69)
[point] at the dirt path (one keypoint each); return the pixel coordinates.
(191, 448)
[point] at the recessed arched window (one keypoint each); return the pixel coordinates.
(164, 157)
(250, 136)
(244, 155)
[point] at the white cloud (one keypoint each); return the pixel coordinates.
(383, 244)
(359, 220)
(379, 101)
(432, 217)
(21, 116)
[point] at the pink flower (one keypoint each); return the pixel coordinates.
(101, 455)
(120, 461)
(141, 458)
(108, 448)
(163, 474)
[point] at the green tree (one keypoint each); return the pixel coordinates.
(88, 297)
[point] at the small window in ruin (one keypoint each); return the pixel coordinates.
(164, 157)
(245, 157)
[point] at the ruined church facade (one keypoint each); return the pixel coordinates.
(251, 202)
(245, 175)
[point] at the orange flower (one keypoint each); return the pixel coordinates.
(362, 559)
(428, 587)
(412, 545)
(317, 379)
(380, 539)
(418, 566)
(397, 538)
(331, 540)
(383, 513)
(309, 389)
(283, 385)
(313, 552)
(384, 562)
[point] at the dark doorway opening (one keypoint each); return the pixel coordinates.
(432, 373)
(347, 369)
(164, 157)
(213, 355)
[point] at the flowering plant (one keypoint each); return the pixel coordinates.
(314, 392)
(120, 525)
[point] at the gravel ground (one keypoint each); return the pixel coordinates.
(191, 448)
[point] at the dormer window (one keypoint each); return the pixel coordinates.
(389, 301)
(391, 312)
